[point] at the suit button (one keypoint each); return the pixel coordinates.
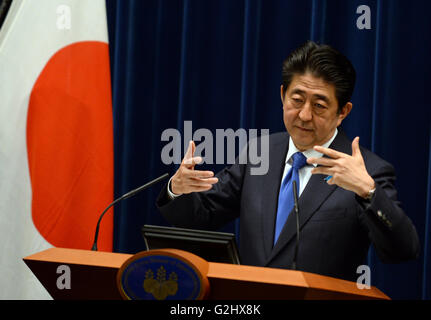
(384, 218)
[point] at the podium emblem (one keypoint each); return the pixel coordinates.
(161, 287)
(158, 275)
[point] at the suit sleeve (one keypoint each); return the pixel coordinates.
(389, 228)
(207, 210)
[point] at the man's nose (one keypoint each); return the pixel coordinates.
(306, 113)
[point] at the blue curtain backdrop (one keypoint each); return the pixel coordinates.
(217, 63)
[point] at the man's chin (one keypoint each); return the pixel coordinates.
(303, 140)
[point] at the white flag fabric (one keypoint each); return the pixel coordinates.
(56, 144)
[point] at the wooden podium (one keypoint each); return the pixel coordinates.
(94, 276)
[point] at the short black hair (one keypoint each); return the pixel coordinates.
(322, 61)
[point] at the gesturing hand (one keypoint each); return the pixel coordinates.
(187, 179)
(348, 172)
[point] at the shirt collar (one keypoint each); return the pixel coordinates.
(309, 152)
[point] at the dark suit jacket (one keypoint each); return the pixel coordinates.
(336, 226)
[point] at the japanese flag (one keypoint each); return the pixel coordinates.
(56, 135)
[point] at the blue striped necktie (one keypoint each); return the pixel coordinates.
(285, 197)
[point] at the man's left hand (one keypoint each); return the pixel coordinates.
(348, 172)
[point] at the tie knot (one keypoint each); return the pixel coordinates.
(299, 160)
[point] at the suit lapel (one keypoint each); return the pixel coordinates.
(270, 189)
(314, 194)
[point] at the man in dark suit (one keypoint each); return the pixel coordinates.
(347, 197)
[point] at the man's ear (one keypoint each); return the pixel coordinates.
(281, 94)
(345, 110)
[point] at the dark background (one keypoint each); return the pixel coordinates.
(218, 64)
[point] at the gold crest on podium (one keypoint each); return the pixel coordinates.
(160, 287)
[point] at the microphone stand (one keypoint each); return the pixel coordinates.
(125, 196)
(295, 208)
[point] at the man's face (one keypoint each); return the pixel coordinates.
(310, 111)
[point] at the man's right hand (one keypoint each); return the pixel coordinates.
(187, 179)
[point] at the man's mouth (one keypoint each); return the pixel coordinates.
(304, 129)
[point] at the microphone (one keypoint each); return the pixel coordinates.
(125, 196)
(295, 208)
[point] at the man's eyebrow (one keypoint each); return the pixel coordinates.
(316, 96)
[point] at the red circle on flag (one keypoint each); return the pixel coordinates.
(70, 146)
